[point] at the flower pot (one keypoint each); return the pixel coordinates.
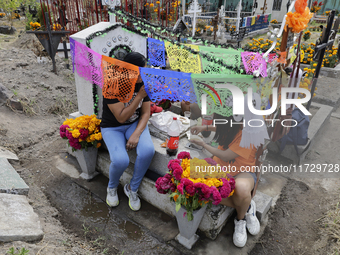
(87, 161)
(187, 229)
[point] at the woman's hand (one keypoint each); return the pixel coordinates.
(142, 93)
(198, 129)
(132, 142)
(197, 141)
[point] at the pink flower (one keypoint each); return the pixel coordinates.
(159, 190)
(225, 189)
(231, 182)
(173, 187)
(159, 186)
(191, 190)
(177, 172)
(172, 163)
(180, 188)
(204, 190)
(75, 144)
(211, 161)
(168, 176)
(184, 214)
(183, 155)
(68, 134)
(62, 130)
(215, 195)
(188, 186)
(83, 134)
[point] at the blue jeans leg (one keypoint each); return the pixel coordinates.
(145, 152)
(115, 141)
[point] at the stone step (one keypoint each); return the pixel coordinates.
(213, 220)
(18, 221)
(10, 180)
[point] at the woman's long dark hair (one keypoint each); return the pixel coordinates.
(224, 133)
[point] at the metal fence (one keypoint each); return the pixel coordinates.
(74, 15)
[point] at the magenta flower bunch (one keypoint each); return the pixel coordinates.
(82, 132)
(193, 193)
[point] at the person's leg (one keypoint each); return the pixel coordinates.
(244, 184)
(145, 152)
(115, 141)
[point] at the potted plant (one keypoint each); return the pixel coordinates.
(192, 193)
(84, 136)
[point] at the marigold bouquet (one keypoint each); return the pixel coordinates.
(193, 193)
(82, 132)
(316, 6)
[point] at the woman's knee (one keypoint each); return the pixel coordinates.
(120, 161)
(242, 189)
(146, 151)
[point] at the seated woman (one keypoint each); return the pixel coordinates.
(124, 127)
(229, 153)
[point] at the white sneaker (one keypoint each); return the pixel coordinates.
(240, 233)
(134, 201)
(112, 197)
(253, 224)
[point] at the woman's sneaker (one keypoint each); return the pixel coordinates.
(112, 197)
(253, 224)
(134, 201)
(240, 233)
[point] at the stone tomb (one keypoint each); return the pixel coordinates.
(214, 218)
(105, 44)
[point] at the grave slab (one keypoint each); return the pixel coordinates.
(7, 154)
(10, 180)
(18, 221)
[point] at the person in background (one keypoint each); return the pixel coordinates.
(124, 127)
(230, 153)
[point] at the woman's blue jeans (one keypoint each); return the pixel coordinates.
(115, 139)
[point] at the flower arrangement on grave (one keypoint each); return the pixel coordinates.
(330, 59)
(15, 15)
(56, 27)
(35, 25)
(193, 193)
(316, 6)
(274, 21)
(2, 14)
(82, 132)
(306, 35)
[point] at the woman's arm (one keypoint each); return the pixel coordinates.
(143, 121)
(198, 129)
(226, 155)
(122, 113)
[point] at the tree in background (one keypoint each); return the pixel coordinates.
(9, 7)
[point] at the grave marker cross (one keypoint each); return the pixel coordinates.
(320, 50)
(194, 9)
(112, 5)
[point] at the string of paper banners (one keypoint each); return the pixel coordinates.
(202, 70)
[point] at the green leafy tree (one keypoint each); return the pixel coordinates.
(9, 6)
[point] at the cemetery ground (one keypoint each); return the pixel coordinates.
(303, 219)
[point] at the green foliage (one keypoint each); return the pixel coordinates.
(9, 6)
(40, 14)
(12, 251)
